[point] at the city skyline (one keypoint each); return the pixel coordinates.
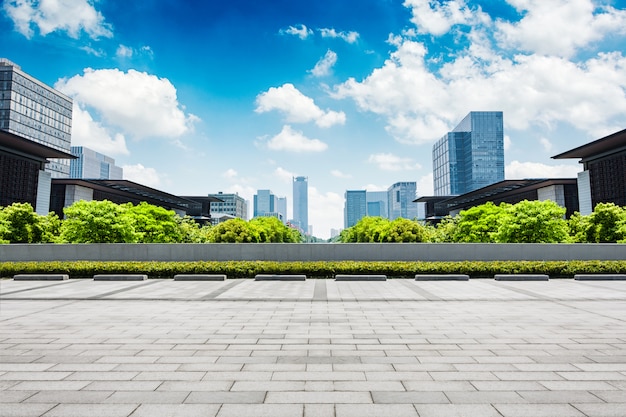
(194, 98)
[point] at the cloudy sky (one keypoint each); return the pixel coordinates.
(200, 96)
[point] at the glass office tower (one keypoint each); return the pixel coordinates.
(301, 203)
(93, 165)
(471, 156)
(355, 207)
(34, 111)
(400, 198)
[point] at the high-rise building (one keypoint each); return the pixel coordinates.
(93, 165)
(36, 123)
(400, 197)
(377, 203)
(264, 202)
(301, 203)
(34, 111)
(281, 207)
(471, 156)
(355, 207)
(232, 204)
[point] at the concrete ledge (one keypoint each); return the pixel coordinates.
(40, 277)
(345, 277)
(521, 277)
(441, 277)
(279, 277)
(124, 277)
(600, 277)
(199, 277)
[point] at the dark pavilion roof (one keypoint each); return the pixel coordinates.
(606, 145)
(128, 188)
(498, 190)
(16, 144)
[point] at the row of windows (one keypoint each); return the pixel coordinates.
(35, 90)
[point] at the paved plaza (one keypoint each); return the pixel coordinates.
(315, 348)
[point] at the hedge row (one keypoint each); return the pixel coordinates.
(248, 269)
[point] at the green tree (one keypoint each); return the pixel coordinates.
(98, 222)
(405, 230)
(272, 230)
(21, 224)
(445, 230)
(51, 225)
(155, 224)
(368, 229)
(478, 224)
(234, 231)
(605, 224)
(578, 225)
(533, 222)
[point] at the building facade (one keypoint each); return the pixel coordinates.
(301, 204)
(377, 203)
(355, 207)
(34, 111)
(93, 165)
(401, 200)
(603, 179)
(231, 204)
(471, 156)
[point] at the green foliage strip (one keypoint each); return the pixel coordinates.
(248, 269)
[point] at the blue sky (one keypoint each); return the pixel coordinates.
(196, 97)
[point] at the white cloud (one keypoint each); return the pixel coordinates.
(71, 16)
(230, 173)
(425, 185)
(283, 175)
(142, 175)
(521, 170)
(338, 174)
(546, 144)
(350, 37)
(325, 212)
(294, 141)
(559, 27)
(141, 104)
(375, 187)
(421, 104)
(437, 17)
(300, 31)
(390, 162)
(297, 107)
(325, 64)
(124, 51)
(91, 134)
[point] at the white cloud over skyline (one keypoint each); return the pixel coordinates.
(70, 16)
(291, 140)
(296, 107)
(140, 104)
(325, 64)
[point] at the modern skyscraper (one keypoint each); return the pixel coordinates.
(34, 111)
(377, 203)
(401, 196)
(355, 207)
(281, 207)
(93, 165)
(233, 205)
(301, 203)
(264, 202)
(471, 156)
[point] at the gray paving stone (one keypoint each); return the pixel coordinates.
(261, 410)
(74, 397)
(318, 397)
(375, 410)
(24, 410)
(176, 410)
(457, 410)
(602, 410)
(538, 410)
(91, 410)
(221, 397)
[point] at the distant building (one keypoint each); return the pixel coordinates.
(281, 208)
(471, 156)
(301, 204)
(401, 197)
(355, 207)
(377, 203)
(266, 204)
(67, 191)
(35, 129)
(563, 191)
(231, 204)
(90, 164)
(603, 179)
